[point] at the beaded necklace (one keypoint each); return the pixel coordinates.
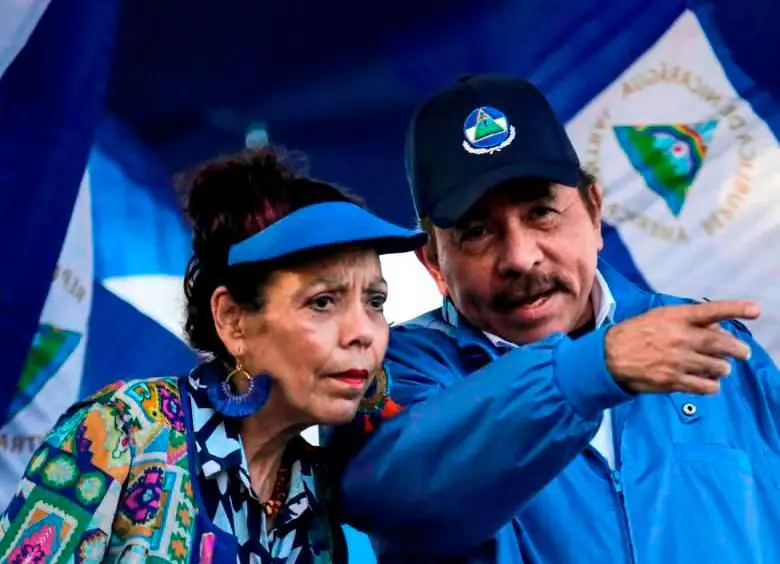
(279, 493)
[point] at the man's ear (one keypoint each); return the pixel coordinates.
(594, 209)
(429, 258)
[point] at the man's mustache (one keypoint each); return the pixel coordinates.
(527, 288)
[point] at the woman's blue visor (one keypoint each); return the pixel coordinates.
(325, 225)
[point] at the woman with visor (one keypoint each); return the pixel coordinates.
(284, 295)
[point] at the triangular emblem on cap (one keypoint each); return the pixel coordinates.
(487, 130)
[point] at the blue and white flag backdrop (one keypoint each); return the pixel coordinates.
(114, 307)
(16, 26)
(690, 169)
(683, 141)
(51, 377)
(49, 109)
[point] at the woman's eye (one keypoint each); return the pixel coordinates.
(322, 303)
(378, 302)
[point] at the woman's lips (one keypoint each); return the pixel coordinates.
(355, 378)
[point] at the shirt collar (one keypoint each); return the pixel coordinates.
(471, 341)
(604, 303)
(604, 306)
(220, 449)
(217, 438)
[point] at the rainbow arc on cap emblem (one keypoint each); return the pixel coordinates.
(487, 130)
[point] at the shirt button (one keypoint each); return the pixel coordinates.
(689, 409)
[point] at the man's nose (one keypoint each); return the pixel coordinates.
(520, 252)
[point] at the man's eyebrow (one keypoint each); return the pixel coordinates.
(533, 194)
(536, 193)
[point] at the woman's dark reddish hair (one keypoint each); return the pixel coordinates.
(228, 200)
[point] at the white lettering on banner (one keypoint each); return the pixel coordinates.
(22, 444)
(70, 283)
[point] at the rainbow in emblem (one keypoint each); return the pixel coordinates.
(667, 156)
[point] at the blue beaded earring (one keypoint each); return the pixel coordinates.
(238, 406)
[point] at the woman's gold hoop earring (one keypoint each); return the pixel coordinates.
(238, 370)
(250, 401)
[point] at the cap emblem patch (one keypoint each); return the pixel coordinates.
(487, 130)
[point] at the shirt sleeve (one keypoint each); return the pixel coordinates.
(466, 454)
(65, 505)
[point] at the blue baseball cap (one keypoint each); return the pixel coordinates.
(478, 133)
(324, 225)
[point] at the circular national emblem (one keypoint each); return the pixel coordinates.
(676, 154)
(487, 130)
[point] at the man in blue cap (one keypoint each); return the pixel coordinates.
(551, 410)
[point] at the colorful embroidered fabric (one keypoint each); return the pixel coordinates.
(112, 483)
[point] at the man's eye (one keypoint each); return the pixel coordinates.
(472, 232)
(542, 212)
